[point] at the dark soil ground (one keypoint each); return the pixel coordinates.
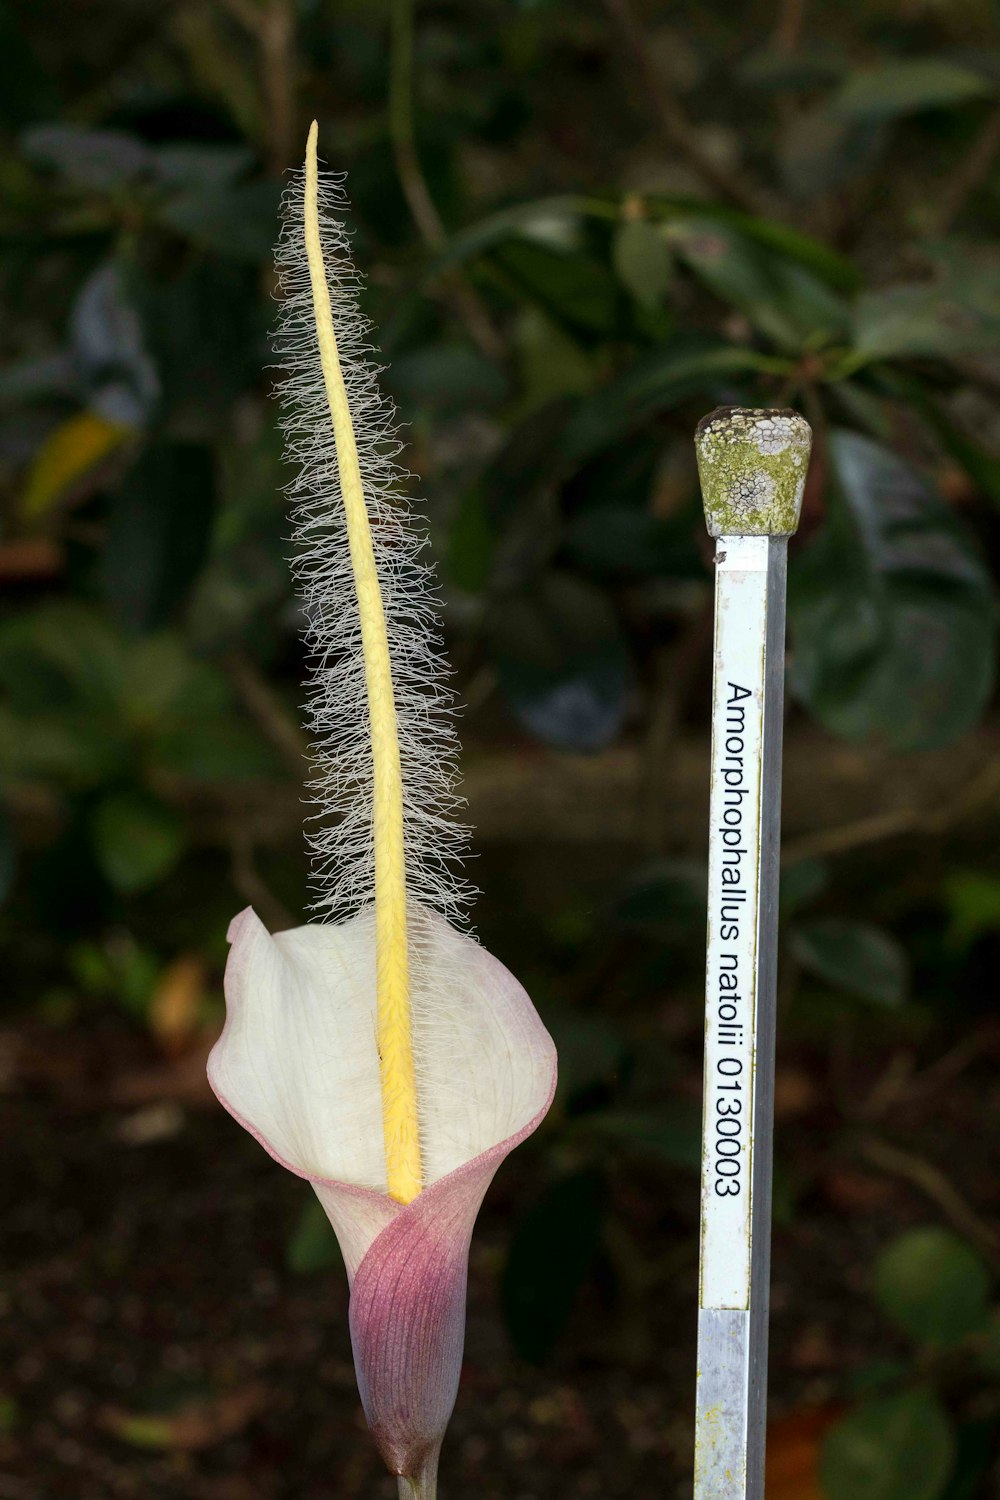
(155, 1343)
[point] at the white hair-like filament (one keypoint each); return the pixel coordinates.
(339, 836)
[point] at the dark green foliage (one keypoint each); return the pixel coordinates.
(591, 294)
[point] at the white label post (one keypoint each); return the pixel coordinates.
(752, 466)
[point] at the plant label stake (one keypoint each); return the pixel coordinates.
(752, 466)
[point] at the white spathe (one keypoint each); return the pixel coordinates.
(297, 1062)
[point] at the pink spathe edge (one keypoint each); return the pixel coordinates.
(408, 1288)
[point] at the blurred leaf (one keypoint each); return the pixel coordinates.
(669, 1136)
(666, 899)
(930, 320)
(642, 261)
(137, 840)
(779, 296)
(791, 244)
(801, 883)
(893, 619)
(975, 1460)
(471, 544)
(826, 151)
(811, 64)
(38, 376)
(552, 222)
(193, 165)
(192, 1425)
(59, 651)
(896, 1448)
(313, 1246)
(552, 1250)
(68, 455)
(614, 539)
(563, 662)
(592, 1053)
(158, 533)
(118, 376)
(222, 749)
(120, 969)
(853, 956)
(972, 900)
(445, 378)
(102, 159)
(239, 221)
(657, 382)
(26, 92)
(573, 288)
(552, 363)
(205, 330)
(907, 86)
(933, 1285)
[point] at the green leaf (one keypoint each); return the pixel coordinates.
(471, 543)
(551, 362)
(853, 956)
(907, 87)
(802, 883)
(895, 1448)
(158, 533)
(780, 297)
(933, 1285)
(972, 900)
(642, 260)
(930, 320)
(554, 222)
(670, 1137)
(26, 89)
(573, 288)
(137, 840)
(445, 378)
(592, 1052)
(975, 1460)
(313, 1246)
(239, 221)
(826, 151)
(618, 539)
(552, 1251)
(658, 382)
(563, 662)
(892, 613)
(101, 159)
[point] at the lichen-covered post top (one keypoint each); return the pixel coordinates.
(752, 464)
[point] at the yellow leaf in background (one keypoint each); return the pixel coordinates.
(68, 453)
(175, 1009)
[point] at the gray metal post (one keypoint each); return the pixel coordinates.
(752, 466)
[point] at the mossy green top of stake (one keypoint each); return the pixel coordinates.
(752, 464)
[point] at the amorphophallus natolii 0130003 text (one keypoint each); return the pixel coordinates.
(380, 1052)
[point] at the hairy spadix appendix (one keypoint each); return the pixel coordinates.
(380, 1052)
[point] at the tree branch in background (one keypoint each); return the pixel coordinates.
(933, 1183)
(669, 114)
(271, 24)
(250, 884)
(268, 711)
(466, 304)
(788, 26)
(980, 793)
(971, 173)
